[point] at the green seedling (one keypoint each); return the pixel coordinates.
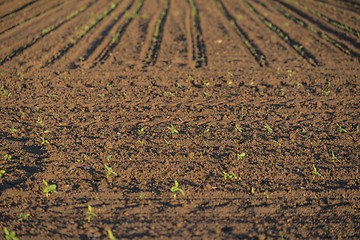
(10, 235)
(13, 131)
(109, 172)
(267, 194)
(240, 156)
(316, 173)
(43, 141)
(268, 129)
(167, 142)
(2, 173)
(206, 94)
(172, 129)
(175, 189)
(238, 128)
(207, 130)
(341, 129)
(7, 157)
(5, 92)
(89, 214)
(333, 157)
(39, 121)
(229, 176)
(229, 84)
(23, 216)
(142, 196)
(276, 142)
(141, 131)
(178, 85)
(111, 235)
(49, 188)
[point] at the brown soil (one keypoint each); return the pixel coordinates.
(88, 84)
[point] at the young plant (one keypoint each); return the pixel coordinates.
(89, 214)
(229, 176)
(49, 188)
(2, 173)
(238, 128)
(267, 194)
(333, 157)
(268, 129)
(141, 131)
(172, 129)
(13, 131)
(111, 235)
(7, 157)
(316, 173)
(109, 172)
(341, 129)
(175, 189)
(240, 156)
(23, 216)
(10, 235)
(43, 140)
(39, 121)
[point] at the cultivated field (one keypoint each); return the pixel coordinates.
(180, 119)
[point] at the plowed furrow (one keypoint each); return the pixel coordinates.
(253, 49)
(199, 47)
(319, 33)
(86, 29)
(153, 51)
(331, 21)
(31, 18)
(298, 47)
(45, 32)
(2, 18)
(304, 15)
(104, 33)
(105, 53)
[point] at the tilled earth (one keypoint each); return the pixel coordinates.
(251, 106)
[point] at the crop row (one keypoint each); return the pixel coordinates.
(321, 34)
(254, 50)
(45, 32)
(198, 53)
(2, 18)
(31, 18)
(153, 51)
(105, 53)
(86, 29)
(299, 48)
(329, 20)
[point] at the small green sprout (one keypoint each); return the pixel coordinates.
(240, 156)
(2, 173)
(141, 131)
(172, 129)
(13, 131)
(229, 84)
(238, 128)
(167, 142)
(23, 216)
(39, 121)
(268, 129)
(49, 188)
(89, 214)
(10, 235)
(207, 130)
(111, 235)
(341, 129)
(229, 176)
(333, 157)
(175, 189)
(267, 194)
(206, 94)
(315, 172)
(43, 141)
(7, 157)
(178, 85)
(109, 172)
(142, 196)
